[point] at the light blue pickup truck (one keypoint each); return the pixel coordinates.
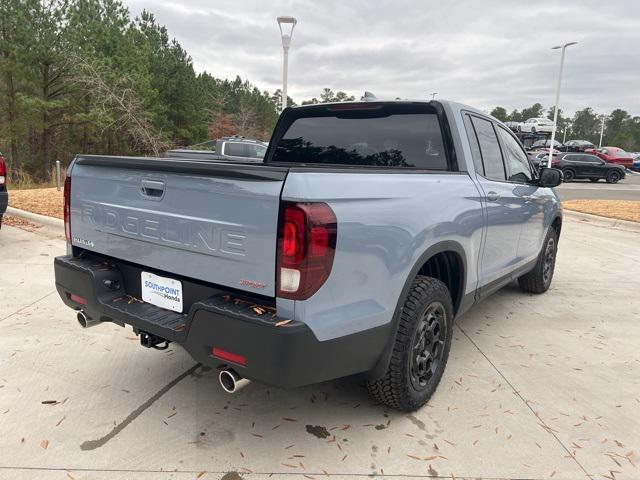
(369, 227)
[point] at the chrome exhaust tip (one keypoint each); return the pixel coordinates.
(231, 382)
(85, 321)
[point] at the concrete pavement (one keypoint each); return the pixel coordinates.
(536, 387)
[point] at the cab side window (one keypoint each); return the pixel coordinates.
(516, 160)
(490, 149)
(473, 143)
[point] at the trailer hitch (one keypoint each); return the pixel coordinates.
(149, 340)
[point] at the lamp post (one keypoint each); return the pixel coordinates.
(603, 118)
(433, 95)
(286, 26)
(555, 110)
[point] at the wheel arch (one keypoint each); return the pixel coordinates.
(446, 261)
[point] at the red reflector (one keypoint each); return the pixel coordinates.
(228, 356)
(77, 299)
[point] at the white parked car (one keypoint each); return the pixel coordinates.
(537, 125)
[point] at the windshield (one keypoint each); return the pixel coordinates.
(365, 139)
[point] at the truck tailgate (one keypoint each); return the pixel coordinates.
(208, 221)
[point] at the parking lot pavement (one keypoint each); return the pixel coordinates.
(627, 189)
(537, 387)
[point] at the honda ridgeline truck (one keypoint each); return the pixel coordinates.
(351, 249)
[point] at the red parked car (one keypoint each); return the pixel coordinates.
(613, 155)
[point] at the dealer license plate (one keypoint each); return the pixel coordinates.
(162, 292)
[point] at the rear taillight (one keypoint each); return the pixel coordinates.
(3, 171)
(306, 246)
(67, 208)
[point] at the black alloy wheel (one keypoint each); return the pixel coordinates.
(428, 345)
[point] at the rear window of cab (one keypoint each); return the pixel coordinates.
(364, 135)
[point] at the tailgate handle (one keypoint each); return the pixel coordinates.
(152, 188)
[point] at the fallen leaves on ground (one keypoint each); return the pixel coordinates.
(620, 209)
(19, 222)
(44, 201)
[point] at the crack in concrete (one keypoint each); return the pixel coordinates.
(27, 306)
(517, 392)
(93, 444)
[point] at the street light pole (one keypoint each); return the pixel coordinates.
(555, 110)
(286, 26)
(433, 95)
(603, 118)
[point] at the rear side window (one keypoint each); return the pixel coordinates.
(516, 160)
(377, 138)
(473, 143)
(490, 149)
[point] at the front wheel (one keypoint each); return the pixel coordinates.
(421, 347)
(568, 175)
(613, 177)
(539, 279)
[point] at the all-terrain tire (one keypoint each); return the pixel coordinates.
(400, 387)
(539, 279)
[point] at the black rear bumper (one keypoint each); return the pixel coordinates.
(283, 354)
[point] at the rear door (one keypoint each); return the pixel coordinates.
(504, 207)
(215, 222)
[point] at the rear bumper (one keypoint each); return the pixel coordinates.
(287, 355)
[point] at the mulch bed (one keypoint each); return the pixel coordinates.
(620, 209)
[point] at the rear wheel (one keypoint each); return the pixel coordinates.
(613, 176)
(539, 279)
(568, 174)
(594, 180)
(421, 347)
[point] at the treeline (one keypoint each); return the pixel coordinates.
(83, 76)
(620, 129)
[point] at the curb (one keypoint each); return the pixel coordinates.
(600, 221)
(36, 218)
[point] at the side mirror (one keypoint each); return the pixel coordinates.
(550, 177)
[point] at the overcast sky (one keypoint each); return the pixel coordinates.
(484, 53)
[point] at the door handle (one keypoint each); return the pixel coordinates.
(152, 188)
(493, 196)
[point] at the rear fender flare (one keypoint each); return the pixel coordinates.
(444, 246)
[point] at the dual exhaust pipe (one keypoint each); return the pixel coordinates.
(230, 380)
